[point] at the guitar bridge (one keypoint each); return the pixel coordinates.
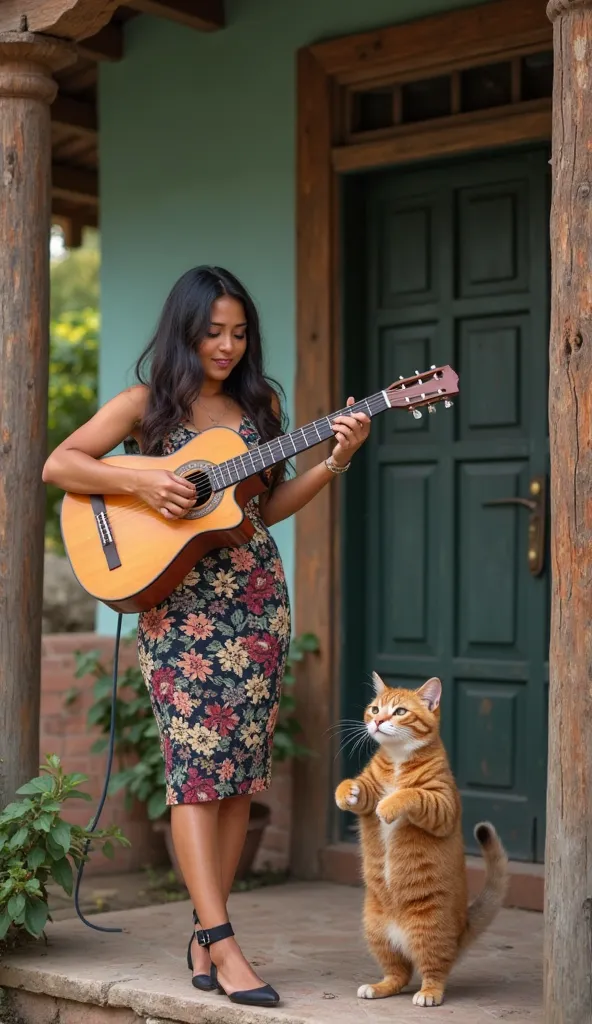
(106, 537)
(104, 531)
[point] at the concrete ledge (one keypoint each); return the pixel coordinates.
(306, 940)
(20, 1007)
(341, 864)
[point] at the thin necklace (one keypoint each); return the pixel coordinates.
(216, 422)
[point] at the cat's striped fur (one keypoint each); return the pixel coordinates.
(416, 912)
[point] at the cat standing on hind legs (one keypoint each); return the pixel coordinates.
(416, 913)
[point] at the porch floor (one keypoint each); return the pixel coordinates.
(305, 939)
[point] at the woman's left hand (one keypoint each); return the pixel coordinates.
(350, 434)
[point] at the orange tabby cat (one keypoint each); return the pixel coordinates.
(416, 912)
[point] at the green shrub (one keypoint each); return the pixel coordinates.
(38, 846)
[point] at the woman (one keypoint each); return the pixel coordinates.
(213, 653)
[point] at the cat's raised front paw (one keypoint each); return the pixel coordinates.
(386, 811)
(347, 795)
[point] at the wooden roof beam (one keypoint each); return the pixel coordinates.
(62, 212)
(104, 45)
(75, 115)
(202, 15)
(69, 19)
(75, 184)
(72, 228)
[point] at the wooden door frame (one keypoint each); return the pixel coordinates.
(436, 45)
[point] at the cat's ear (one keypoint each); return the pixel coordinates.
(379, 686)
(430, 693)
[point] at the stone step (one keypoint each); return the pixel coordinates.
(305, 939)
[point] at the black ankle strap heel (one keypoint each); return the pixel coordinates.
(263, 996)
(207, 938)
(204, 982)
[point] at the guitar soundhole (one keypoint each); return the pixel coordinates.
(207, 500)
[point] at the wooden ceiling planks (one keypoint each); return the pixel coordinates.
(98, 27)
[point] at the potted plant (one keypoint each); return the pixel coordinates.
(141, 774)
(37, 846)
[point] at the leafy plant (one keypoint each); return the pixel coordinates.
(75, 278)
(37, 845)
(288, 729)
(137, 743)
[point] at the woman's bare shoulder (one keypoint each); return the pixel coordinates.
(137, 396)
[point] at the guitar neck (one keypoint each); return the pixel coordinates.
(288, 445)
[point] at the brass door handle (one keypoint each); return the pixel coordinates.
(532, 505)
(537, 506)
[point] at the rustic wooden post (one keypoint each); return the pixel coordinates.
(568, 858)
(26, 90)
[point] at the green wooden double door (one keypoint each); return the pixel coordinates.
(449, 264)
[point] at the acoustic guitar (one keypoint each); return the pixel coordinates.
(128, 556)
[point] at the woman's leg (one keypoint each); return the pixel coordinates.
(196, 835)
(233, 818)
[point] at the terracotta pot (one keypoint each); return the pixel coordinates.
(258, 822)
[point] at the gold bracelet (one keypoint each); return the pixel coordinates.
(334, 468)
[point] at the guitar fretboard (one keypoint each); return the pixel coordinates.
(285, 447)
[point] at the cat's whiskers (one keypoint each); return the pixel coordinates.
(358, 739)
(354, 736)
(349, 735)
(345, 722)
(347, 730)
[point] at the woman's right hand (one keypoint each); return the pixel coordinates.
(165, 492)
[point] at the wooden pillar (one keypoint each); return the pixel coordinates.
(26, 90)
(568, 857)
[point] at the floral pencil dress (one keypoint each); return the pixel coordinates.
(213, 657)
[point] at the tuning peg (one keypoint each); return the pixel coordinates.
(416, 414)
(448, 404)
(401, 377)
(431, 408)
(417, 373)
(433, 366)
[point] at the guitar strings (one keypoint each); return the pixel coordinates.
(306, 431)
(204, 484)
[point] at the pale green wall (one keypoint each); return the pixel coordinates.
(197, 166)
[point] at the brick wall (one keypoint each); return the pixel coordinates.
(64, 732)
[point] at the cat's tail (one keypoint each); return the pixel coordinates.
(486, 905)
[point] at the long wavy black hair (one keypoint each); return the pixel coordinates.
(171, 368)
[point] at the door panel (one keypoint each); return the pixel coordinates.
(454, 260)
(407, 616)
(493, 252)
(491, 611)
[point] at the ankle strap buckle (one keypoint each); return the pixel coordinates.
(208, 936)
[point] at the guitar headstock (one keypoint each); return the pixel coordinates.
(438, 384)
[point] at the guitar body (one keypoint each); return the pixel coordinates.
(155, 554)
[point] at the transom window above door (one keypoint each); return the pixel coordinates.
(386, 107)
